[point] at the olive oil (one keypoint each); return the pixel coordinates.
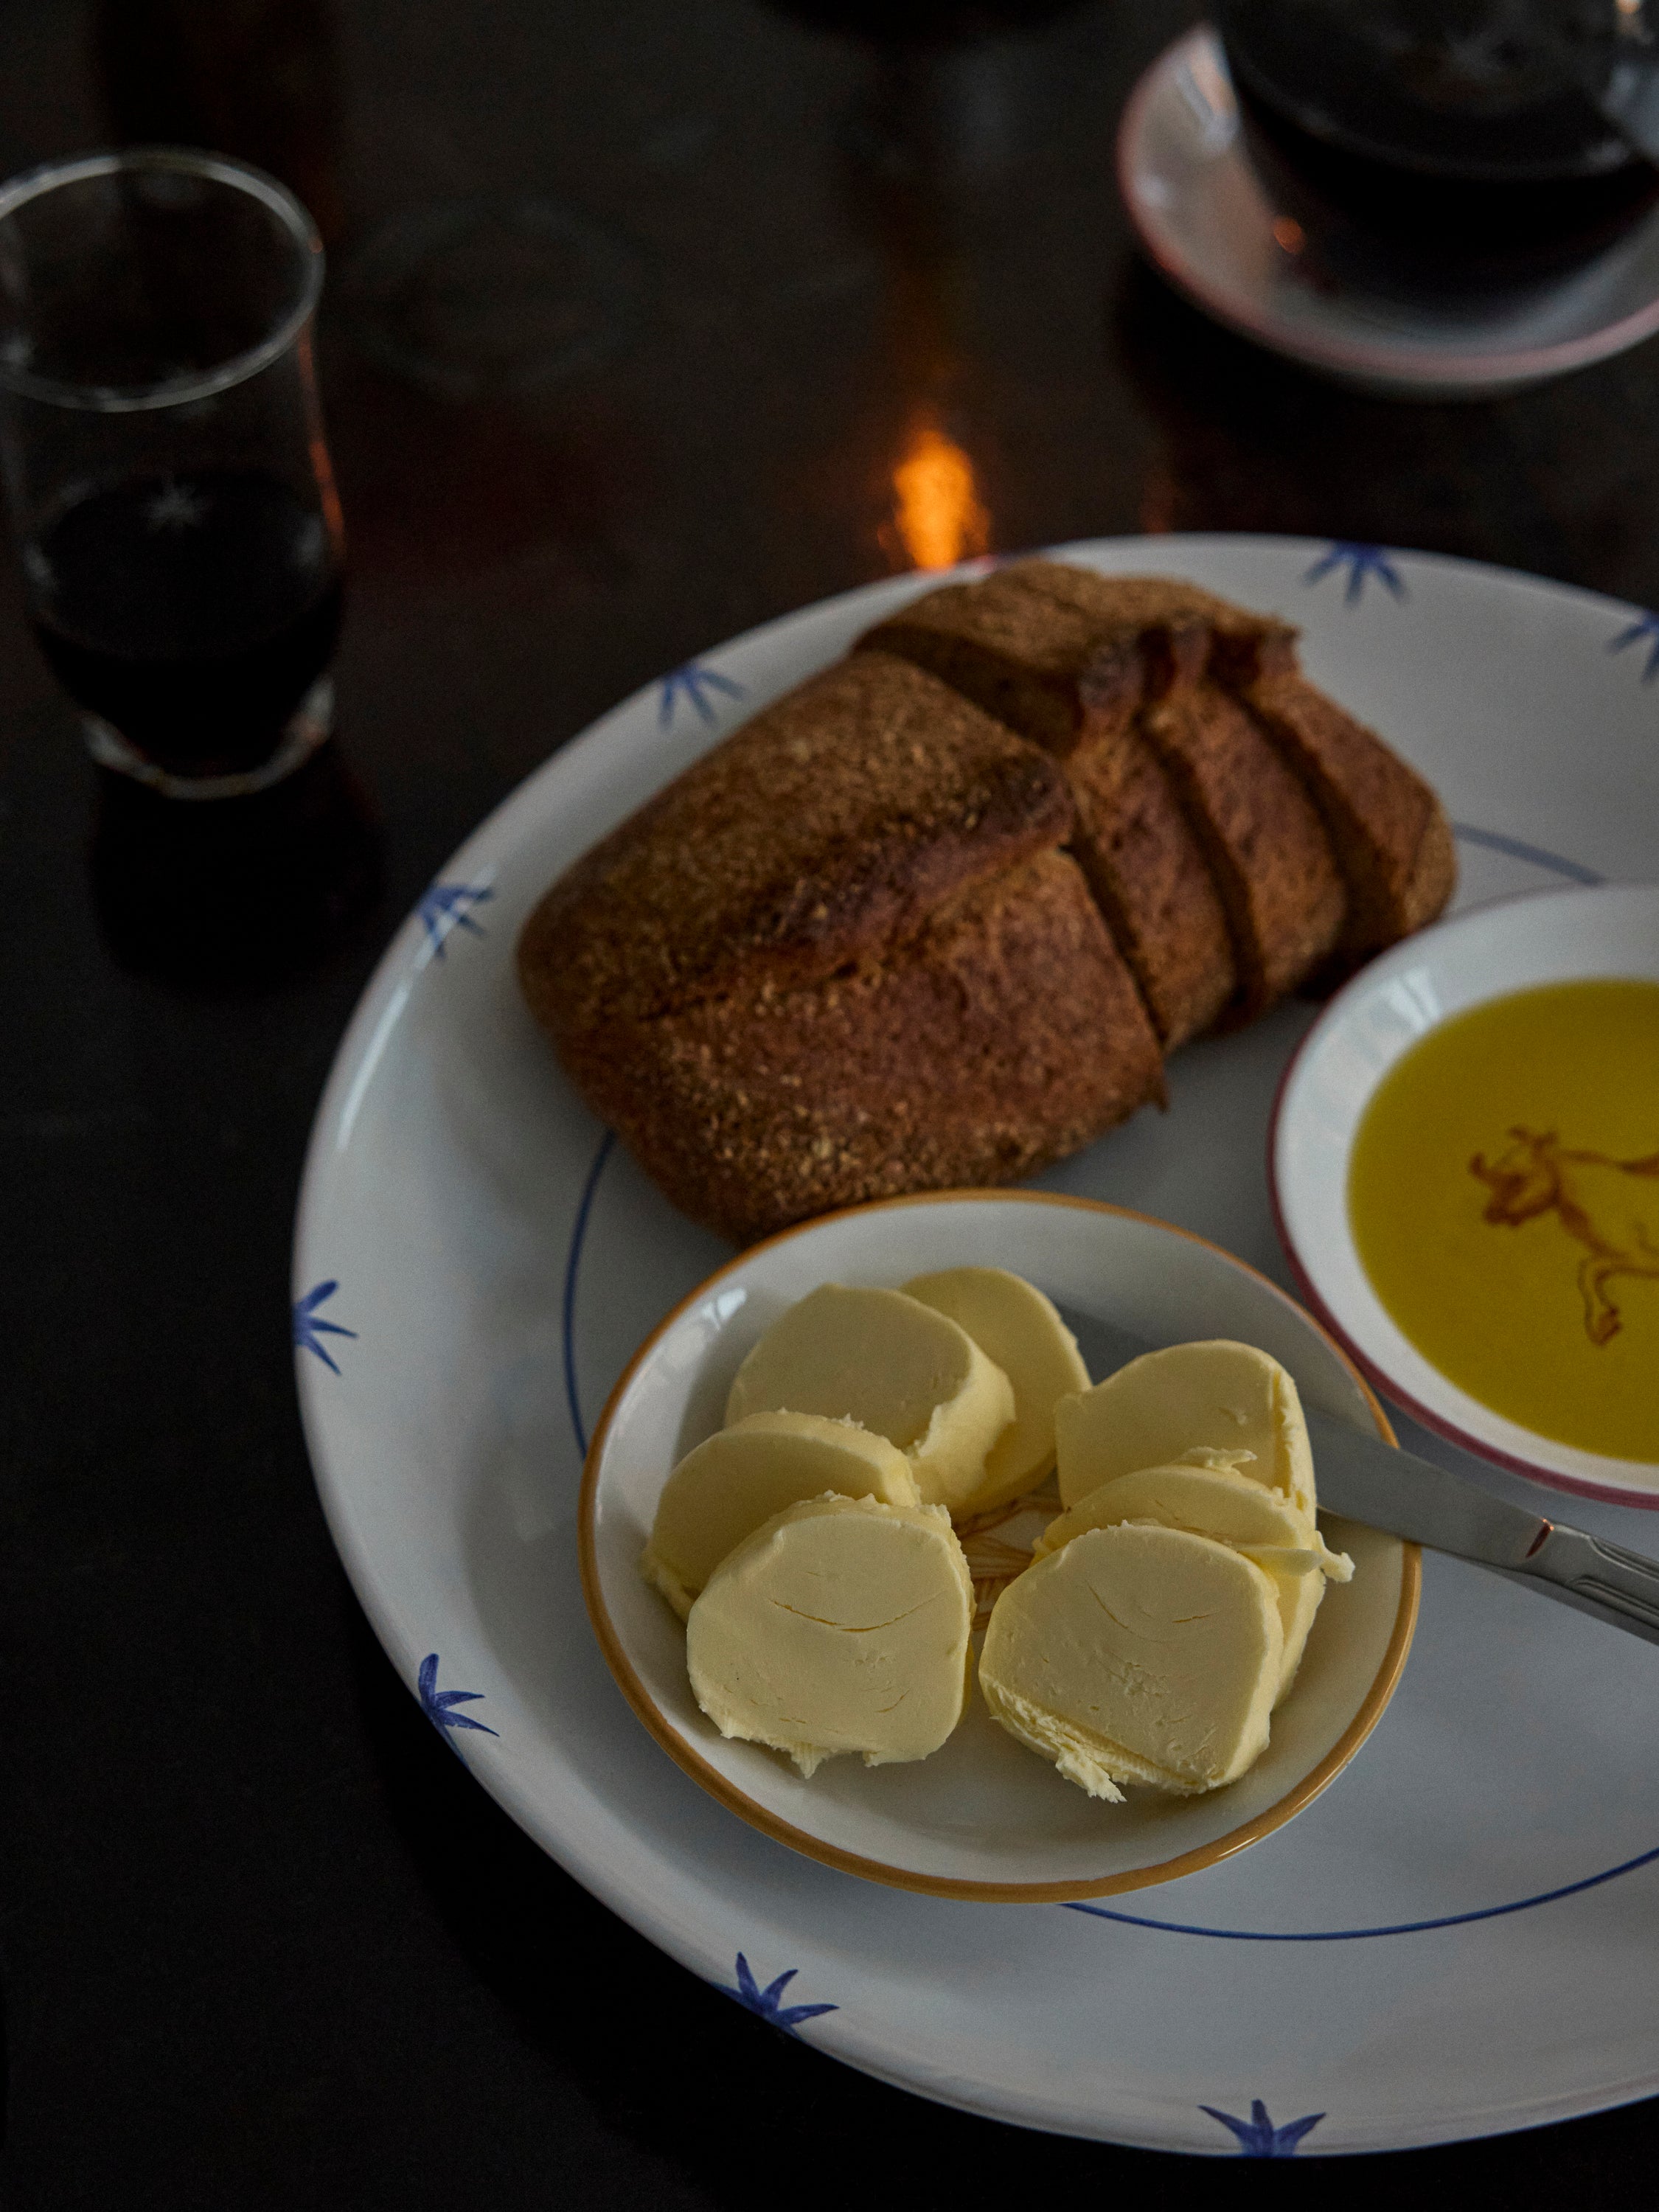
(1504, 1194)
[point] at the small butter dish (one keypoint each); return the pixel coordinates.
(982, 1817)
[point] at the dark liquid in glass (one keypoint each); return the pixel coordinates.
(194, 612)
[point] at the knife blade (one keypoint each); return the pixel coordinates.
(1362, 1478)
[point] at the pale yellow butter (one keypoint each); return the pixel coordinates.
(840, 1625)
(893, 1365)
(1138, 1653)
(1018, 1328)
(1223, 1503)
(1227, 1397)
(721, 1492)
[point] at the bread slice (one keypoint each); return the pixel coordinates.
(829, 825)
(1391, 837)
(1392, 841)
(1152, 632)
(1267, 850)
(1003, 1034)
(1016, 652)
(1151, 880)
(1065, 658)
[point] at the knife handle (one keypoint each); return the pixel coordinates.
(1602, 1578)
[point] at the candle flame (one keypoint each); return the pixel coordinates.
(936, 510)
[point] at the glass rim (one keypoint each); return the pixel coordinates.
(179, 161)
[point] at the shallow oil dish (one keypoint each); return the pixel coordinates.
(982, 1817)
(1466, 1163)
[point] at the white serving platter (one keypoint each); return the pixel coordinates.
(1460, 1937)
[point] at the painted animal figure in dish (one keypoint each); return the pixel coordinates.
(1611, 1207)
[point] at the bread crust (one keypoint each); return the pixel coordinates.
(1067, 659)
(1004, 1033)
(829, 825)
(1152, 883)
(1388, 830)
(1268, 854)
(1066, 656)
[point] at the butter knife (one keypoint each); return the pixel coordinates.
(1366, 1480)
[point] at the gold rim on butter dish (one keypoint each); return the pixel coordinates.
(994, 1892)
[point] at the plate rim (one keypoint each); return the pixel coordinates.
(1302, 1794)
(1471, 373)
(1435, 1419)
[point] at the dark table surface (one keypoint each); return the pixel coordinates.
(264, 1942)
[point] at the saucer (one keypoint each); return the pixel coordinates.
(1205, 220)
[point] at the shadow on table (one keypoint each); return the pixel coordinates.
(234, 895)
(1245, 441)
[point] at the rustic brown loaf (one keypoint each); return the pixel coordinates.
(822, 830)
(1006, 1034)
(844, 955)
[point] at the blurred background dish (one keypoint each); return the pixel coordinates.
(1449, 148)
(1245, 243)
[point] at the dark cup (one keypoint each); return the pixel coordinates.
(1436, 147)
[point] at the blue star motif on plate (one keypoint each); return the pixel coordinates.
(768, 2004)
(1647, 628)
(309, 1331)
(1360, 560)
(1258, 2137)
(447, 907)
(694, 683)
(439, 1705)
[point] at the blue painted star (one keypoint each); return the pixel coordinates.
(1360, 560)
(1648, 628)
(309, 1331)
(447, 906)
(767, 2004)
(438, 1705)
(1258, 2137)
(694, 683)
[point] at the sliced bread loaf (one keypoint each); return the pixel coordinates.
(844, 955)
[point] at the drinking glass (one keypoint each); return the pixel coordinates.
(165, 464)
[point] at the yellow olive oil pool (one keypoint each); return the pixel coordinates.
(1504, 1192)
